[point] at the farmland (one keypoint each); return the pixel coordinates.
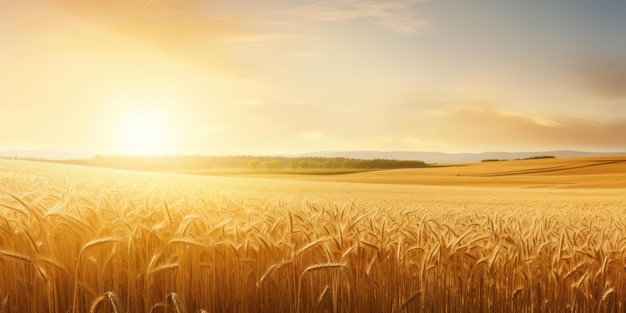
(586, 172)
(519, 236)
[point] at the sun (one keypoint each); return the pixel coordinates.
(144, 134)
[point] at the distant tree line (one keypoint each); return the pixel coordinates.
(182, 163)
(537, 157)
(493, 160)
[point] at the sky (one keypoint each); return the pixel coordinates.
(156, 77)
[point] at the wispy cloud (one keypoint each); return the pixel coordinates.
(160, 22)
(400, 15)
(185, 30)
(198, 36)
(484, 126)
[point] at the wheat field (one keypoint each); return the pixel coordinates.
(577, 173)
(78, 239)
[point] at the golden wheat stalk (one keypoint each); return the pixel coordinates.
(173, 298)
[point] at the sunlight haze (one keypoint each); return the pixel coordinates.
(269, 77)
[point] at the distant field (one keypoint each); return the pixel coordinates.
(589, 172)
(81, 239)
(257, 172)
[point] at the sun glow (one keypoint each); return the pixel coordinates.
(144, 133)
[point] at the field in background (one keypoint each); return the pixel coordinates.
(588, 172)
(87, 239)
(260, 172)
(238, 165)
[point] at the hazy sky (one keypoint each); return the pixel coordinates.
(291, 76)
